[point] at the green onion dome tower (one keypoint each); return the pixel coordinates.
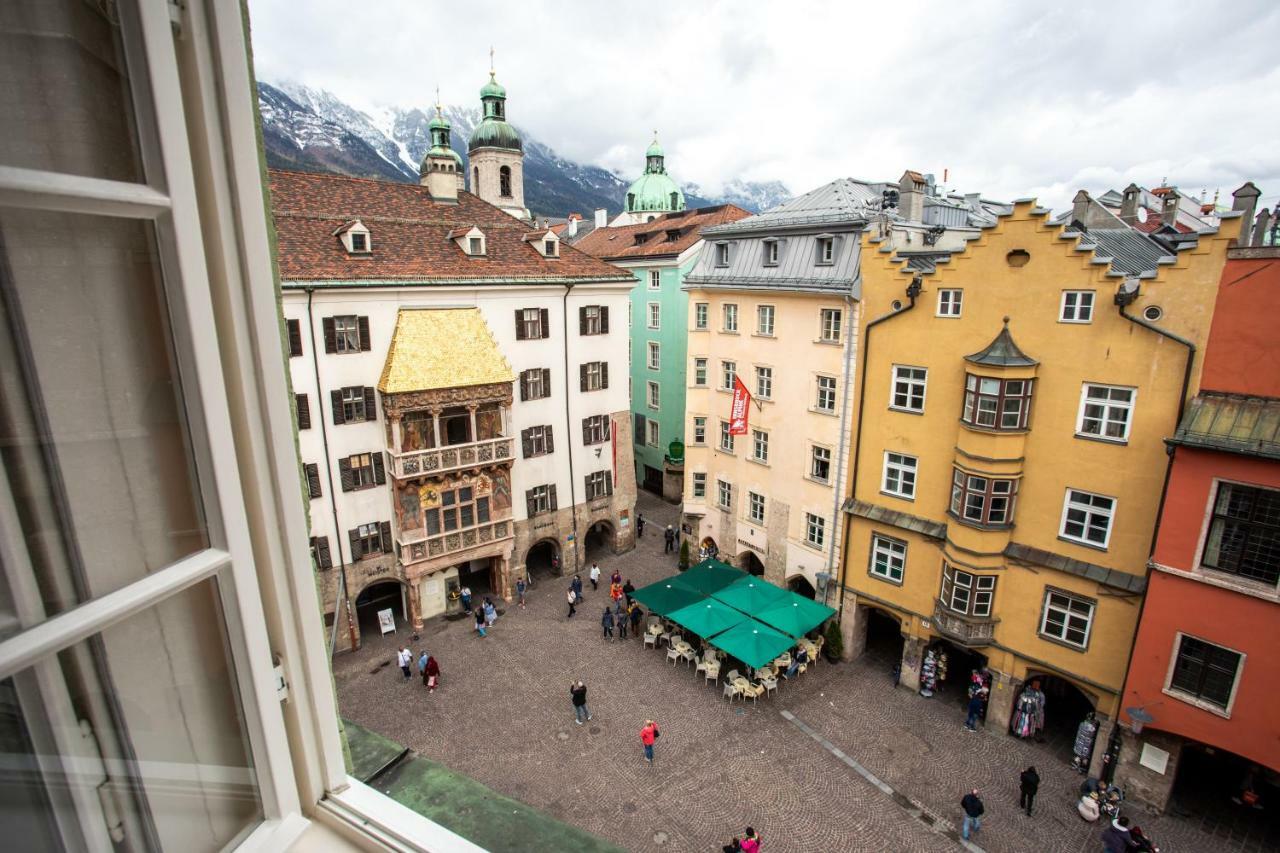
(496, 153)
(653, 193)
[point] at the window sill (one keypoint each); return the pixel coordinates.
(825, 343)
(829, 413)
(369, 816)
(1075, 322)
(991, 430)
(700, 329)
(763, 335)
(819, 482)
(1091, 546)
(1102, 440)
(699, 387)
(730, 332)
(725, 390)
(1064, 643)
(947, 316)
(883, 579)
(1235, 582)
(727, 452)
(906, 411)
(908, 498)
(977, 525)
(811, 545)
(1202, 704)
(760, 462)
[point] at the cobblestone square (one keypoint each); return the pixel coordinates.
(503, 717)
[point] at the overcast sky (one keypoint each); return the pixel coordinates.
(1012, 99)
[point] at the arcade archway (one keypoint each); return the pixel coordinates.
(800, 586)
(599, 541)
(1065, 706)
(543, 559)
(380, 596)
(751, 563)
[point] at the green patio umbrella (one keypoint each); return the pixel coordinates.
(794, 614)
(707, 618)
(750, 594)
(666, 595)
(753, 643)
(710, 576)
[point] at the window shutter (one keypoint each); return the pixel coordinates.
(354, 536)
(608, 483)
(546, 382)
(604, 374)
(519, 325)
(531, 508)
(313, 478)
(385, 530)
(335, 398)
(526, 443)
(524, 385)
(330, 335)
(322, 552)
(295, 337)
(370, 404)
(304, 411)
(582, 320)
(586, 430)
(379, 471)
(637, 431)
(551, 444)
(551, 497)
(344, 474)
(582, 377)
(544, 320)
(608, 427)
(365, 343)
(604, 319)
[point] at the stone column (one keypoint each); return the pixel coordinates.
(1004, 689)
(435, 429)
(1100, 743)
(502, 572)
(397, 436)
(415, 604)
(912, 657)
(471, 412)
(853, 627)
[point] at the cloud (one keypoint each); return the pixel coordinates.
(1013, 99)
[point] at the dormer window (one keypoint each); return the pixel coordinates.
(475, 246)
(771, 253)
(471, 240)
(546, 242)
(722, 254)
(354, 237)
(826, 249)
(550, 248)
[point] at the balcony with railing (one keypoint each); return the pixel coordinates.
(416, 545)
(453, 457)
(966, 630)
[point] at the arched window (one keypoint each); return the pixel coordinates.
(631, 201)
(497, 109)
(475, 180)
(504, 181)
(675, 200)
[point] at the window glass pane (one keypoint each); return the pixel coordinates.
(66, 87)
(93, 437)
(158, 693)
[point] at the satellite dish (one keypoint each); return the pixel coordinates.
(1142, 214)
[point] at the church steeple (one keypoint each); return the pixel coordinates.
(441, 170)
(497, 155)
(654, 158)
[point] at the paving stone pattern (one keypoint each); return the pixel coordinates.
(503, 717)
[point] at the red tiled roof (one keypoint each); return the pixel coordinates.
(1154, 223)
(658, 237)
(408, 232)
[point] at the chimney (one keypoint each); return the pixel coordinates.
(571, 230)
(1246, 201)
(1261, 227)
(1080, 209)
(602, 217)
(911, 196)
(1129, 204)
(1169, 213)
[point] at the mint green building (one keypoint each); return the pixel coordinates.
(658, 241)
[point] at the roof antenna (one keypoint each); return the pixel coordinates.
(491, 72)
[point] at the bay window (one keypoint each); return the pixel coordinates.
(967, 594)
(996, 403)
(982, 500)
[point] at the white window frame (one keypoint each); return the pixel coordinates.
(772, 252)
(700, 372)
(729, 318)
(822, 391)
(653, 395)
(699, 431)
(755, 507)
(764, 382)
(909, 383)
(654, 315)
(726, 438)
(653, 355)
(826, 251)
(950, 302)
(815, 530)
(653, 433)
(1081, 308)
(1190, 698)
(724, 494)
(1069, 504)
(760, 446)
(722, 254)
(728, 372)
(814, 450)
(830, 325)
(904, 470)
(1109, 408)
(655, 280)
(698, 485)
(701, 316)
(894, 552)
(765, 317)
(1047, 605)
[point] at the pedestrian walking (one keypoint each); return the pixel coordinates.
(750, 841)
(573, 599)
(594, 574)
(466, 599)
(627, 589)
(431, 675)
(578, 692)
(480, 621)
(521, 589)
(1029, 783)
(1116, 837)
(636, 616)
(404, 658)
(973, 809)
(490, 612)
(576, 583)
(616, 577)
(620, 619)
(975, 708)
(639, 525)
(669, 538)
(615, 592)
(606, 622)
(648, 735)
(423, 660)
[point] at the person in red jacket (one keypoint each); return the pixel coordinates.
(648, 735)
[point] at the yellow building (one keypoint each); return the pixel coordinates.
(1008, 457)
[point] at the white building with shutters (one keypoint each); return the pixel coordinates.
(463, 409)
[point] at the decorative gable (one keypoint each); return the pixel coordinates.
(470, 240)
(545, 241)
(355, 238)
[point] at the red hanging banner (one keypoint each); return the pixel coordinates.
(738, 415)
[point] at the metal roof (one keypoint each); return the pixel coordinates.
(1246, 425)
(842, 200)
(1002, 352)
(1020, 553)
(1130, 251)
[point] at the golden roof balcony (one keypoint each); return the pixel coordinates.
(451, 458)
(417, 546)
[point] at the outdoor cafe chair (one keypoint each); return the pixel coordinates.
(651, 639)
(782, 661)
(672, 655)
(770, 684)
(731, 675)
(752, 692)
(687, 653)
(730, 690)
(711, 672)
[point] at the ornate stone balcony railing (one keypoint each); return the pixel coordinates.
(965, 630)
(454, 457)
(416, 547)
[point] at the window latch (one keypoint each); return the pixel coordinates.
(282, 685)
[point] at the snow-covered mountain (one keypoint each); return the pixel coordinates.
(311, 129)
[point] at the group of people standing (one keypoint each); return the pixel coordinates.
(428, 668)
(485, 614)
(618, 590)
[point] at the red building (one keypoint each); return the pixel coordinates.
(1202, 698)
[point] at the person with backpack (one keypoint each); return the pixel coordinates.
(750, 841)
(973, 810)
(1028, 784)
(648, 735)
(521, 589)
(404, 657)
